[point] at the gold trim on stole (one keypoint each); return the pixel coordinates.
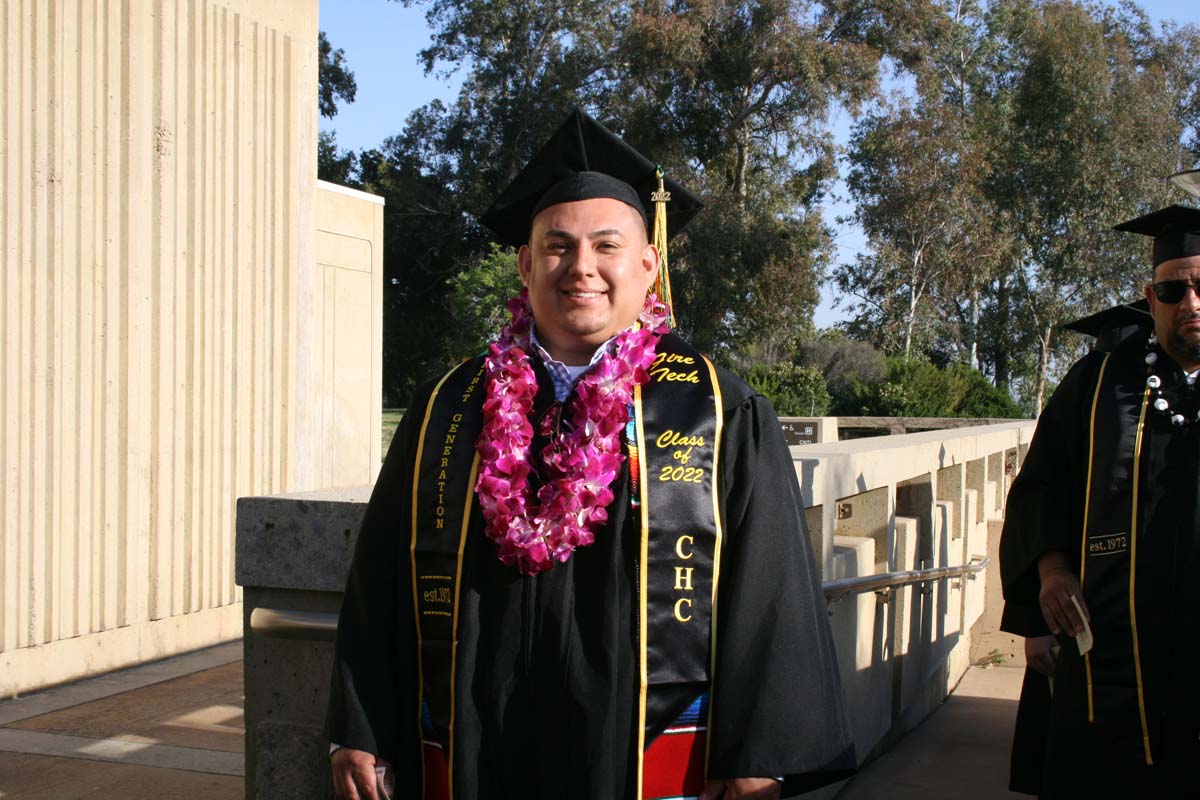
(412, 562)
(1087, 507)
(643, 589)
(719, 415)
(468, 504)
(1133, 537)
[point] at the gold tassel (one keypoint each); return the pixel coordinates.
(662, 284)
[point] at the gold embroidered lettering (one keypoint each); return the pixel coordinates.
(683, 578)
(439, 595)
(666, 375)
(671, 358)
(679, 604)
(670, 438)
(679, 546)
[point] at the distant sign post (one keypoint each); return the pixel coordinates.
(800, 430)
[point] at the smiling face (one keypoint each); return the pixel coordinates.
(1177, 325)
(588, 267)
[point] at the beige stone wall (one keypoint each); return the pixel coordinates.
(158, 286)
(349, 254)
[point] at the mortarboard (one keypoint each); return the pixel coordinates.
(1137, 313)
(581, 161)
(1176, 231)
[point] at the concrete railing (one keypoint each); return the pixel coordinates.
(898, 503)
(901, 503)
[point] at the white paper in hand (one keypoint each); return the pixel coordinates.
(1084, 639)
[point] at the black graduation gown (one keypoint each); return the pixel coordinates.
(1045, 511)
(547, 665)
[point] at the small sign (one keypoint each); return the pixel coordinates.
(799, 431)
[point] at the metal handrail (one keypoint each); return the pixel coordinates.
(843, 587)
(321, 626)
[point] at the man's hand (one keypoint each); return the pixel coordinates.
(354, 775)
(1059, 585)
(741, 789)
(1039, 654)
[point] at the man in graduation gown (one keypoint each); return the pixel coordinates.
(676, 642)
(1101, 537)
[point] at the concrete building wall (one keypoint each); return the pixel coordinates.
(349, 306)
(158, 286)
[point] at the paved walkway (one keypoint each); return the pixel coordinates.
(174, 729)
(961, 750)
(171, 729)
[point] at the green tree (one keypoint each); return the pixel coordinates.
(333, 163)
(793, 391)
(842, 360)
(987, 193)
(526, 64)
(916, 388)
(1091, 131)
(740, 116)
(914, 178)
(335, 81)
(734, 96)
(478, 300)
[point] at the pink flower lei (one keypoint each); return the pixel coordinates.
(583, 457)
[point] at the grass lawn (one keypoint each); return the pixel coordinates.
(391, 418)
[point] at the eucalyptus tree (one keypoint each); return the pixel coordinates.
(736, 96)
(1091, 132)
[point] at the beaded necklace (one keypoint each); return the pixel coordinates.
(1155, 384)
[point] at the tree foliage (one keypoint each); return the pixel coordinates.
(987, 193)
(793, 391)
(730, 97)
(842, 360)
(335, 81)
(916, 388)
(1014, 134)
(478, 300)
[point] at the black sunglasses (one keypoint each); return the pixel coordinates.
(1173, 291)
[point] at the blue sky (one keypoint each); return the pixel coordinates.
(382, 39)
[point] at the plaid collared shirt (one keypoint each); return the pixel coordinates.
(565, 377)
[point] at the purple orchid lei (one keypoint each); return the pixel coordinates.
(583, 457)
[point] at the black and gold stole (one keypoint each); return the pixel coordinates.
(678, 416)
(1109, 558)
(442, 503)
(674, 459)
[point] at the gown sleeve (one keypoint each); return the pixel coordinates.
(372, 704)
(1044, 509)
(778, 703)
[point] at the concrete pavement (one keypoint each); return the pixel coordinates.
(174, 729)
(961, 750)
(171, 729)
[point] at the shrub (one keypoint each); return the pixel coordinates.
(916, 388)
(794, 391)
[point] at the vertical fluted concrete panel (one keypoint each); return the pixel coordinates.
(156, 288)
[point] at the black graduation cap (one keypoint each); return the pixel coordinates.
(583, 160)
(1176, 231)
(1113, 325)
